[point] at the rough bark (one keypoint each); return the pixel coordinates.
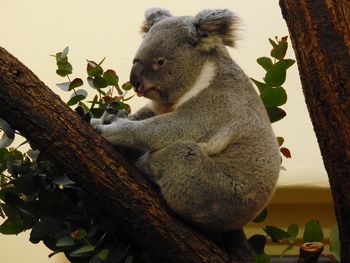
(33, 109)
(320, 34)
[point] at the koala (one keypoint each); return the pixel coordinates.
(205, 137)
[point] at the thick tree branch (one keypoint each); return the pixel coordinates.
(320, 33)
(33, 109)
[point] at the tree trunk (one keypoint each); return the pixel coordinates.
(33, 109)
(320, 34)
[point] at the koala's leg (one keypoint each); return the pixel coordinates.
(192, 184)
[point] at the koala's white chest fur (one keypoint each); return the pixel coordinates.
(202, 82)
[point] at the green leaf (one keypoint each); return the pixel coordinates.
(260, 85)
(257, 243)
(280, 140)
(77, 82)
(12, 226)
(261, 217)
(103, 254)
(6, 128)
(79, 234)
(93, 69)
(276, 233)
(276, 75)
(261, 258)
(99, 82)
(288, 248)
(129, 259)
(66, 241)
(63, 86)
(111, 77)
(275, 114)
(272, 42)
(47, 227)
(127, 86)
(293, 231)
(82, 250)
(273, 97)
(265, 62)
(334, 243)
(25, 184)
(100, 63)
(5, 141)
(64, 52)
(62, 180)
(313, 232)
(77, 96)
(280, 50)
(289, 62)
(64, 68)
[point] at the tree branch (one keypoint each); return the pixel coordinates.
(33, 109)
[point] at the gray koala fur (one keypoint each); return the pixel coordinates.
(206, 139)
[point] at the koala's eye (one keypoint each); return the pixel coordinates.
(159, 63)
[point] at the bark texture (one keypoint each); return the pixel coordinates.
(33, 109)
(320, 34)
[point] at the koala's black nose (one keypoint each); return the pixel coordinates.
(136, 74)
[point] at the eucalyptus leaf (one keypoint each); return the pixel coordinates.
(79, 234)
(6, 141)
(275, 114)
(280, 141)
(6, 128)
(280, 50)
(66, 241)
(82, 250)
(260, 85)
(276, 233)
(103, 254)
(273, 97)
(313, 232)
(77, 82)
(12, 226)
(293, 230)
(265, 62)
(261, 217)
(63, 86)
(276, 75)
(111, 77)
(261, 258)
(127, 86)
(25, 184)
(99, 82)
(93, 69)
(288, 248)
(64, 68)
(64, 52)
(257, 243)
(77, 96)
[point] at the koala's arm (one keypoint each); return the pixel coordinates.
(142, 114)
(149, 134)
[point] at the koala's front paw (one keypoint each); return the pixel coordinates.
(116, 132)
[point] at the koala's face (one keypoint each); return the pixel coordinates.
(173, 51)
(166, 62)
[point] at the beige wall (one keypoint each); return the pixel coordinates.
(31, 30)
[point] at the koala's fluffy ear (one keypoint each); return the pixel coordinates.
(216, 27)
(153, 16)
